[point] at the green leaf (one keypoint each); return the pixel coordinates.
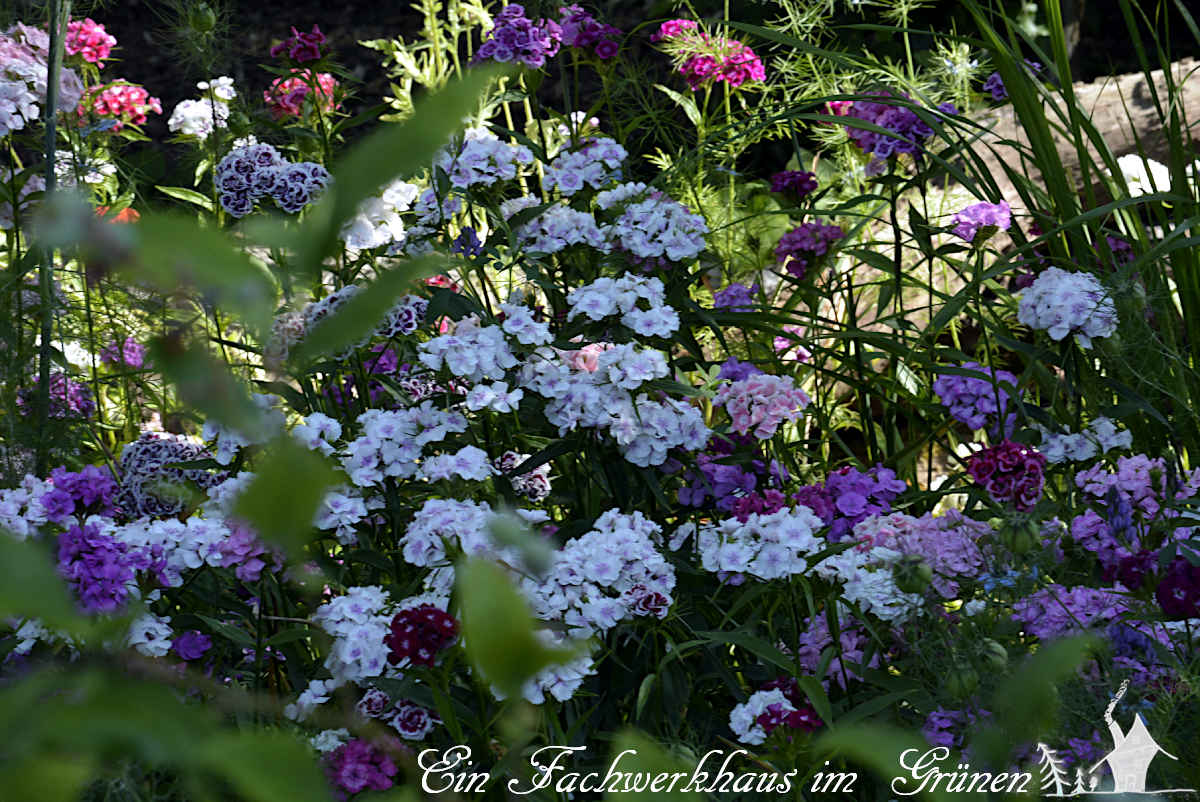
(173, 252)
(46, 777)
(282, 498)
(498, 629)
(228, 631)
(358, 317)
(648, 770)
(685, 102)
(264, 766)
(205, 383)
(30, 587)
(885, 750)
(189, 195)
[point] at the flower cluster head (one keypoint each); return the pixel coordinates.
(767, 547)
(948, 544)
(754, 720)
(99, 567)
(624, 296)
(797, 183)
(1179, 591)
(419, 633)
(1099, 437)
(358, 766)
(761, 403)
(704, 58)
(67, 398)
(1062, 303)
(120, 101)
(88, 40)
(300, 47)
(977, 401)
(92, 489)
(805, 243)
(483, 158)
(533, 485)
(251, 172)
(1057, 611)
(593, 162)
(518, 38)
(127, 353)
(146, 475)
(191, 645)
(736, 297)
(24, 52)
(580, 29)
(659, 230)
(985, 217)
(377, 222)
(1010, 472)
(907, 132)
(286, 97)
(200, 117)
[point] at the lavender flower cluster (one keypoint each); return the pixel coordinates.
(1062, 303)
(249, 173)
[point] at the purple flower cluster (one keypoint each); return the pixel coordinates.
(735, 370)
(419, 633)
(978, 401)
(243, 552)
(68, 398)
(726, 483)
(100, 568)
(128, 353)
(191, 645)
(358, 766)
(1056, 611)
(850, 496)
(1010, 472)
(517, 38)
(580, 29)
(255, 171)
(737, 297)
(91, 490)
(995, 84)
(797, 183)
(1179, 591)
(301, 47)
(982, 216)
(804, 243)
(907, 131)
(144, 474)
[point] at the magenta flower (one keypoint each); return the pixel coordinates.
(88, 40)
(419, 633)
(805, 243)
(1010, 472)
(301, 47)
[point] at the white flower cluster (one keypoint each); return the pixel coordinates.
(377, 222)
(200, 117)
(743, 719)
(1100, 437)
(358, 623)
(866, 574)
(1063, 303)
(341, 510)
(519, 322)
(611, 574)
(495, 396)
(392, 441)
(469, 462)
(644, 429)
(465, 524)
(482, 159)
(150, 634)
(229, 441)
(182, 546)
(768, 547)
(557, 681)
(608, 296)
(620, 194)
(318, 432)
(594, 163)
(659, 227)
(21, 511)
(560, 227)
(472, 351)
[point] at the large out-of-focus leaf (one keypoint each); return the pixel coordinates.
(391, 151)
(282, 498)
(644, 762)
(46, 777)
(358, 317)
(206, 384)
(31, 588)
(173, 252)
(498, 630)
(265, 767)
(885, 750)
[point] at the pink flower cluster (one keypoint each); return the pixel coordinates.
(285, 97)
(1010, 472)
(300, 47)
(762, 402)
(88, 39)
(709, 58)
(121, 101)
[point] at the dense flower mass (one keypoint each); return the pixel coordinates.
(1010, 472)
(121, 102)
(516, 38)
(288, 97)
(1062, 303)
(67, 398)
(907, 131)
(255, 171)
(797, 183)
(87, 39)
(418, 634)
(581, 30)
(805, 244)
(979, 401)
(760, 403)
(23, 68)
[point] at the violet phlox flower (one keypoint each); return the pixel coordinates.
(907, 132)
(581, 30)
(979, 401)
(982, 217)
(67, 398)
(805, 243)
(516, 38)
(737, 297)
(300, 47)
(849, 496)
(797, 183)
(358, 766)
(128, 353)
